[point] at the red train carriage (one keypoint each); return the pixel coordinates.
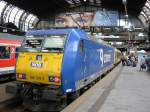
(8, 55)
(9, 45)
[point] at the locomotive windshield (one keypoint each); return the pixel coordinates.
(54, 44)
(32, 44)
(50, 43)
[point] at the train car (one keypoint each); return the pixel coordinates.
(8, 47)
(117, 52)
(117, 56)
(7, 56)
(55, 64)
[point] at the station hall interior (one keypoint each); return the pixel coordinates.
(84, 55)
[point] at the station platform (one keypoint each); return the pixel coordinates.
(125, 89)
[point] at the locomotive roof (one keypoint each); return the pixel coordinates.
(57, 32)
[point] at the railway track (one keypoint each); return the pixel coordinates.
(7, 78)
(12, 105)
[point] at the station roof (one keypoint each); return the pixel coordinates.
(44, 8)
(145, 13)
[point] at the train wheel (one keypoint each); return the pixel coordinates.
(63, 102)
(72, 96)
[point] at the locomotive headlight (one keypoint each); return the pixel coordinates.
(21, 76)
(39, 57)
(57, 79)
(51, 78)
(54, 79)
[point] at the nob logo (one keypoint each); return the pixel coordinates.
(101, 57)
(36, 65)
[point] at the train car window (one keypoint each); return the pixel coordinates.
(81, 46)
(54, 43)
(4, 52)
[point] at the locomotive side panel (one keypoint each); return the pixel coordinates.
(92, 60)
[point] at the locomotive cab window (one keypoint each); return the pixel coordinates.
(81, 46)
(4, 52)
(54, 43)
(32, 44)
(44, 43)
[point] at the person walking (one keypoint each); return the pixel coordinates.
(123, 59)
(142, 63)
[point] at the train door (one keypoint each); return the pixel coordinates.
(84, 58)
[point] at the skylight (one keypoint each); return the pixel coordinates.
(146, 11)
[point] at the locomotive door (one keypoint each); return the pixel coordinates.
(85, 67)
(84, 59)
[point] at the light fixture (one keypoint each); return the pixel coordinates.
(124, 2)
(126, 16)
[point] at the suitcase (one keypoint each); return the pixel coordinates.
(134, 64)
(143, 66)
(128, 62)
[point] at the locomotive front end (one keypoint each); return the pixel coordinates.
(43, 68)
(40, 60)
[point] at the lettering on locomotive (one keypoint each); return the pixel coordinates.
(36, 65)
(36, 78)
(101, 57)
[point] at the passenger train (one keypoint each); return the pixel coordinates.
(7, 56)
(8, 47)
(54, 65)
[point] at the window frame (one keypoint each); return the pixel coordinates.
(9, 53)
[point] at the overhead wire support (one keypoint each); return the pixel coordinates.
(75, 21)
(82, 20)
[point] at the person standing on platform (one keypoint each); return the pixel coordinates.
(123, 59)
(142, 63)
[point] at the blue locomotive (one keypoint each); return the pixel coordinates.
(57, 63)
